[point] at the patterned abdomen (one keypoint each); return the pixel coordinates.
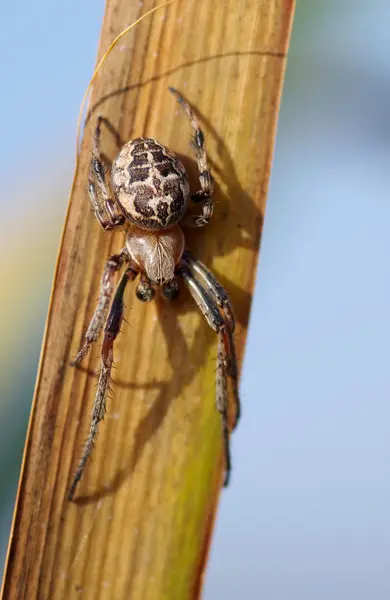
(150, 184)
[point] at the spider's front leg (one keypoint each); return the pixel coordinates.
(204, 195)
(94, 330)
(104, 208)
(111, 331)
(226, 361)
(220, 296)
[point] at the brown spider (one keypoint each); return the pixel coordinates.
(150, 190)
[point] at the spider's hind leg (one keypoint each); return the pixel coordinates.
(104, 207)
(204, 195)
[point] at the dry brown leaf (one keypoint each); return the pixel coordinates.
(142, 523)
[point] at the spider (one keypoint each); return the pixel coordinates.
(150, 193)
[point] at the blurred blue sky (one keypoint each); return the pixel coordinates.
(307, 514)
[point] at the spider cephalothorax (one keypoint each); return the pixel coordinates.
(150, 190)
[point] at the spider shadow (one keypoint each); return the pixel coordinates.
(191, 63)
(185, 361)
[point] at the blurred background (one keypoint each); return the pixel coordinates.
(312, 450)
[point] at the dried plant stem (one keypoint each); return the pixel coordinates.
(143, 519)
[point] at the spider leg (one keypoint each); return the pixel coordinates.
(226, 361)
(205, 193)
(103, 206)
(113, 265)
(111, 331)
(214, 287)
(219, 294)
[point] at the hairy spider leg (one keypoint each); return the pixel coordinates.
(220, 295)
(103, 206)
(96, 325)
(203, 195)
(226, 353)
(111, 331)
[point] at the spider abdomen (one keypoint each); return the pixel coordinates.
(150, 184)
